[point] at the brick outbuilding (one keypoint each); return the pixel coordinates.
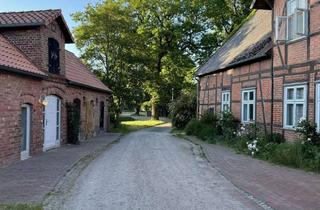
(39, 79)
(268, 72)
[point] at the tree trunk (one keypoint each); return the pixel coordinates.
(137, 110)
(154, 111)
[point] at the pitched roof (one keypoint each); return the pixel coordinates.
(78, 74)
(251, 41)
(12, 59)
(35, 19)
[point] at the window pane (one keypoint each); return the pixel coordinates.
(245, 112)
(289, 114)
(251, 96)
(290, 93)
(299, 112)
(302, 4)
(301, 22)
(245, 96)
(300, 93)
(251, 112)
(24, 129)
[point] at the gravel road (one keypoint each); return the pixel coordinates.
(151, 169)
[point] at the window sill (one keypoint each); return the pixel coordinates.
(293, 41)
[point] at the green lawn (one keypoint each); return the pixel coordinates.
(129, 126)
(21, 207)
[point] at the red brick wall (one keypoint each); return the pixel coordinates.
(19, 90)
(300, 65)
(235, 80)
(34, 43)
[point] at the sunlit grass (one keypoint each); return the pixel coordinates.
(21, 207)
(129, 126)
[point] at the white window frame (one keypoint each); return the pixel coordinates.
(248, 102)
(294, 102)
(226, 93)
(300, 6)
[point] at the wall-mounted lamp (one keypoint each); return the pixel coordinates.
(43, 101)
(230, 72)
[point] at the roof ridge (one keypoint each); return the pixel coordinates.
(29, 11)
(22, 53)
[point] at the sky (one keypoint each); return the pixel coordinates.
(68, 7)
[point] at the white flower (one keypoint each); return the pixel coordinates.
(309, 139)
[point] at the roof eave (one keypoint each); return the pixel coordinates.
(22, 72)
(89, 87)
(66, 31)
(237, 64)
(262, 4)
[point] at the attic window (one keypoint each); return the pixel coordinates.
(54, 56)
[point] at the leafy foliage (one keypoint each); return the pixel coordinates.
(308, 132)
(147, 50)
(251, 139)
(183, 109)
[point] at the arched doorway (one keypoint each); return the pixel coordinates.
(52, 121)
(26, 131)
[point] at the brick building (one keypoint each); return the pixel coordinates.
(38, 78)
(268, 72)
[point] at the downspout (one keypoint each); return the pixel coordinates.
(272, 75)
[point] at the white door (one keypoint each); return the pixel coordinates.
(26, 131)
(52, 123)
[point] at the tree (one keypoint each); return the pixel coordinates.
(150, 48)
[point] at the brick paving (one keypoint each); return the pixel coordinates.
(277, 186)
(29, 181)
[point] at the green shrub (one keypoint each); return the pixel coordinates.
(183, 110)
(209, 118)
(200, 130)
(308, 132)
(227, 125)
(276, 138)
(288, 154)
(193, 127)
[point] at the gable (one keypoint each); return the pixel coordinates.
(9, 20)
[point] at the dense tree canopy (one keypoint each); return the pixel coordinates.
(149, 49)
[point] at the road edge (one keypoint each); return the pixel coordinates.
(56, 197)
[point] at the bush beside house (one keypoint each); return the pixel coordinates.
(251, 139)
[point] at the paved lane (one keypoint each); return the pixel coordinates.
(150, 169)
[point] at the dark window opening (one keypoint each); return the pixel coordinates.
(54, 56)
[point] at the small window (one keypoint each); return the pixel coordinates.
(295, 24)
(225, 101)
(295, 98)
(54, 56)
(297, 19)
(248, 106)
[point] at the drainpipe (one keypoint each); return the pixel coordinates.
(198, 95)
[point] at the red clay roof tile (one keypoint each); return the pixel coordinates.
(78, 73)
(35, 18)
(12, 57)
